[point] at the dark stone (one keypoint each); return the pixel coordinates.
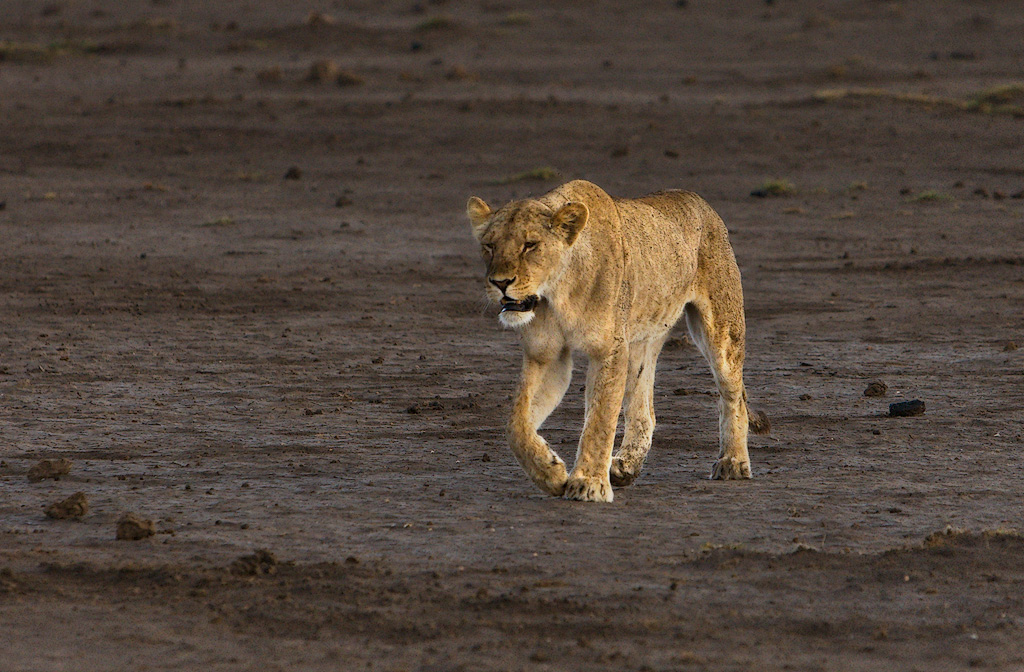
(905, 409)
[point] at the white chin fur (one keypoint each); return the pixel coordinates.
(515, 320)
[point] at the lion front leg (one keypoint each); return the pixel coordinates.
(542, 387)
(606, 384)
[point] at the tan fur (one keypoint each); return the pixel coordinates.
(612, 277)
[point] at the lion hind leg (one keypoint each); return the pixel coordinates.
(721, 342)
(629, 460)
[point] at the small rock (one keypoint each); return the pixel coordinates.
(314, 411)
(316, 19)
(293, 173)
(458, 73)
(260, 562)
(270, 75)
(45, 469)
(342, 202)
(1010, 346)
(132, 528)
(805, 397)
(348, 78)
(876, 389)
(75, 506)
(905, 409)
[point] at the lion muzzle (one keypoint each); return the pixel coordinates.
(524, 306)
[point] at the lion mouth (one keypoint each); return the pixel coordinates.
(524, 306)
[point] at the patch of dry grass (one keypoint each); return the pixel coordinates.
(930, 196)
(1006, 99)
(439, 22)
(541, 174)
(34, 52)
(517, 19)
(952, 535)
(774, 187)
(219, 221)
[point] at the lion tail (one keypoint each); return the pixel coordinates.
(757, 420)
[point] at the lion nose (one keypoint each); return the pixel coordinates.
(502, 284)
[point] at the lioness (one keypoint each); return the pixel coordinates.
(579, 270)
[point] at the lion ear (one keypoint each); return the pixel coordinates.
(477, 211)
(570, 220)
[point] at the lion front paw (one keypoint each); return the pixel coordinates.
(589, 489)
(730, 469)
(552, 477)
(620, 474)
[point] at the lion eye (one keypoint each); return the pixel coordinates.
(529, 245)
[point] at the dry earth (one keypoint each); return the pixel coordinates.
(308, 366)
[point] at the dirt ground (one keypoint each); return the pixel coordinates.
(242, 299)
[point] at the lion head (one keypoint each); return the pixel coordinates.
(523, 245)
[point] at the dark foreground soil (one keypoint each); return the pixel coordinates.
(245, 304)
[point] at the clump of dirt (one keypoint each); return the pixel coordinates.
(459, 73)
(74, 507)
(270, 75)
(317, 19)
(132, 527)
(876, 389)
(45, 469)
(326, 70)
(259, 563)
(7, 583)
(323, 70)
(348, 78)
(953, 536)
